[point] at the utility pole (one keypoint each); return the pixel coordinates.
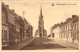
(24, 30)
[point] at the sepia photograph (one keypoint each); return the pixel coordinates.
(40, 25)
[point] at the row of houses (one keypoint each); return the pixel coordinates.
(68, 30)
(14, 27)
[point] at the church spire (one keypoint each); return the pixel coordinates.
(41, 12)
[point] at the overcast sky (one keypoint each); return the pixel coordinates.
(51, 14)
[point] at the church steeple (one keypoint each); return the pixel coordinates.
(41, 31)
(41, 12)
(41, 15)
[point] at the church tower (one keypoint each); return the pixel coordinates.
(41, 24)
(41, 32)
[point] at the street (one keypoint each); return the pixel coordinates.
(39, 26)
(45, 43)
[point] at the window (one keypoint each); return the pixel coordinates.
(70, 34)
(68, 26)
(73, 27)
(4, 34)
(76, 27)
(11, 18)
(65, 28)
(3, 17)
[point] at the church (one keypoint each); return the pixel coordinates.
(41, 32)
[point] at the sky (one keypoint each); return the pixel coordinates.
(51, 14)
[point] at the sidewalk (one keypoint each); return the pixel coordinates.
(66, 44)
(18, 45)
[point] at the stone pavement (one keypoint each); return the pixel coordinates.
(50, 44)
(42, 44)
(66, 44)
(18, 45)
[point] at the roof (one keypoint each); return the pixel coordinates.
(56, 25)
(74, 19)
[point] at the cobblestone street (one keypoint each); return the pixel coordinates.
(45, 43)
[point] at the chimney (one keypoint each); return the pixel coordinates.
(73, 16)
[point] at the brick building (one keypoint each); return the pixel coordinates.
(9, 19)
(26, 24)
(14, 27)
(17, 25)
(75, 29)
(21, 29)
(11, 25)
(68, 30)
(5, 29)
(30, 31)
